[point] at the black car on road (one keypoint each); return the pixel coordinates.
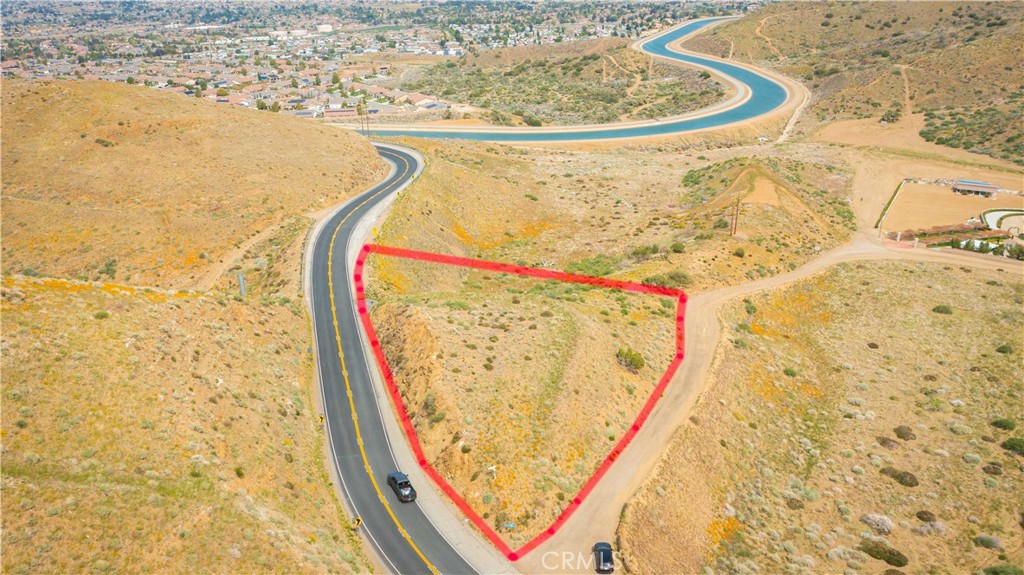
(399, 483)
(604, 562)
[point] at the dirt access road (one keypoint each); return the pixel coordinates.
(597, 518)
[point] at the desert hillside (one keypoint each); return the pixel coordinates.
(154, 431)
(849, 427)
(189, 412)
(117, 182)
(957, 63)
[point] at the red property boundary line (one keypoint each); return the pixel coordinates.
(540, 273)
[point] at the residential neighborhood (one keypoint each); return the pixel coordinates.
(317, 60)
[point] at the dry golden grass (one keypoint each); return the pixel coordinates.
(783, 455)
(148, 430)
(154, 431)
(163, 186)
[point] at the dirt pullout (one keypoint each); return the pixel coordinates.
(848, 424)
(193, 416)
(116, 182)
(516, 388)
(922, 206)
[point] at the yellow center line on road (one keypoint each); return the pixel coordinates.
(344, 372)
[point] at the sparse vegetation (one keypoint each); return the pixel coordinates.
(814, 429)
(76, 458)
(863, 55)
(607, 82)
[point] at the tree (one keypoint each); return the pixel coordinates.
(222, 92)
(335, 79)
(261, 105)
(295, 83)
(276, 107)
(317, 80)
(130, 80)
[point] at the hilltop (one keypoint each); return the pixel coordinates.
(956, 63)
(119, 182)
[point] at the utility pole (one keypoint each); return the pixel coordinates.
(735, 218)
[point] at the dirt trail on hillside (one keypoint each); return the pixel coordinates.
(767, 40)
(907, 107)
(597, 518)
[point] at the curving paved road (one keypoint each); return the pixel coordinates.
(757, 95)
(403, 537)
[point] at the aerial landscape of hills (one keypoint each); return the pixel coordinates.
(263, 263)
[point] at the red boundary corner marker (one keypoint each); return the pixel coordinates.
(540, 273)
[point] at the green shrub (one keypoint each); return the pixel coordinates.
(987, 541)
(458, 305)
(789, 371)
(679, 278)
(905, 433)
(1004, 569)
(1014, 445)
(596, 266)
(630, 359)
(101, 315)
(675, 278)
(1005, 348)
(943, 309)
(1004, 423)
(466, 448)
(643, 252)
(879, 550)
(721, 224)
(739, 252)
(239, 472)
(677, 247)
(904, 478)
